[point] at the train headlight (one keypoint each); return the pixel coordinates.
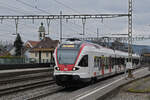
(57, 68)
(75, 68)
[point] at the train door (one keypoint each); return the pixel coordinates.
(113, 64)
(106, 65)
(96, 66)
(102, 64)
(90, 64)
(110, 64)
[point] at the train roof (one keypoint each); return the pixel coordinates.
(100, 48)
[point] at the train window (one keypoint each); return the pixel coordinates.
(67, 56)
(107, 63)
(84, 61)
(96, 61)
(110, 61)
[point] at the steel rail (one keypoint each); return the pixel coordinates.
(25, 87)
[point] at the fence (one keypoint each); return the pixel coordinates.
(23, 66)
(23, 60)
(12, 60)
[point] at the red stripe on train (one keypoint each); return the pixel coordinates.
(66, 67)
(103, 69)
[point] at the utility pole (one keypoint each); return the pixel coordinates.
(48, 24)
(83, 22)
(16, 23)
(60, 26)
(130, 75)
(97, 33)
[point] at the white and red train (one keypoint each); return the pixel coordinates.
(82, 62)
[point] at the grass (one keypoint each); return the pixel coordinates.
(136, 84)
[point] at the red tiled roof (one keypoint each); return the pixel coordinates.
(46, 44)
(31, 44)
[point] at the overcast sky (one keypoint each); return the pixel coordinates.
(29, 30)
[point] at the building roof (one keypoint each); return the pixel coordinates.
(47, 44)
(3, 52)
(31, 44)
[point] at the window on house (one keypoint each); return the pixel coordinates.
(36, 54)
(43, 60)
(47, 54)
(47, 60)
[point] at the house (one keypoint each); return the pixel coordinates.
(25, 50)
(43, 51)
(3, 52)
(27, 47)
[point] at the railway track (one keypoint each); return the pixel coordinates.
(15, 82)
(25, 87)
(45, 92)
(31, 91)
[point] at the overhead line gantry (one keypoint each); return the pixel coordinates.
(84, 17)
(77, 16)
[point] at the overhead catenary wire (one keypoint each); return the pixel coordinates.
(42, 10)
(13, 8)
(29, 5)
(66, 6)
(74, 10)
(9, 7)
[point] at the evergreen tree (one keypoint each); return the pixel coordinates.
(18, 44)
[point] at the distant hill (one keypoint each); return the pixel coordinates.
(141, 49)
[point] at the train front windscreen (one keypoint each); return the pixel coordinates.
(66, 56)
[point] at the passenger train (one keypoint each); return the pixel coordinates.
(84, 62)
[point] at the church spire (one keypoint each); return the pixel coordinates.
(41, 31)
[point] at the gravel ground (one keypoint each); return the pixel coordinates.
(24, 95)
(24, 82)
(124, 92)
(20, 80)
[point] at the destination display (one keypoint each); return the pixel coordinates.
(68, 46)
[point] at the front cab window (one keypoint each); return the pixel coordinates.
(84, 61)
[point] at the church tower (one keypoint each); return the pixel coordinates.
(41, 31)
